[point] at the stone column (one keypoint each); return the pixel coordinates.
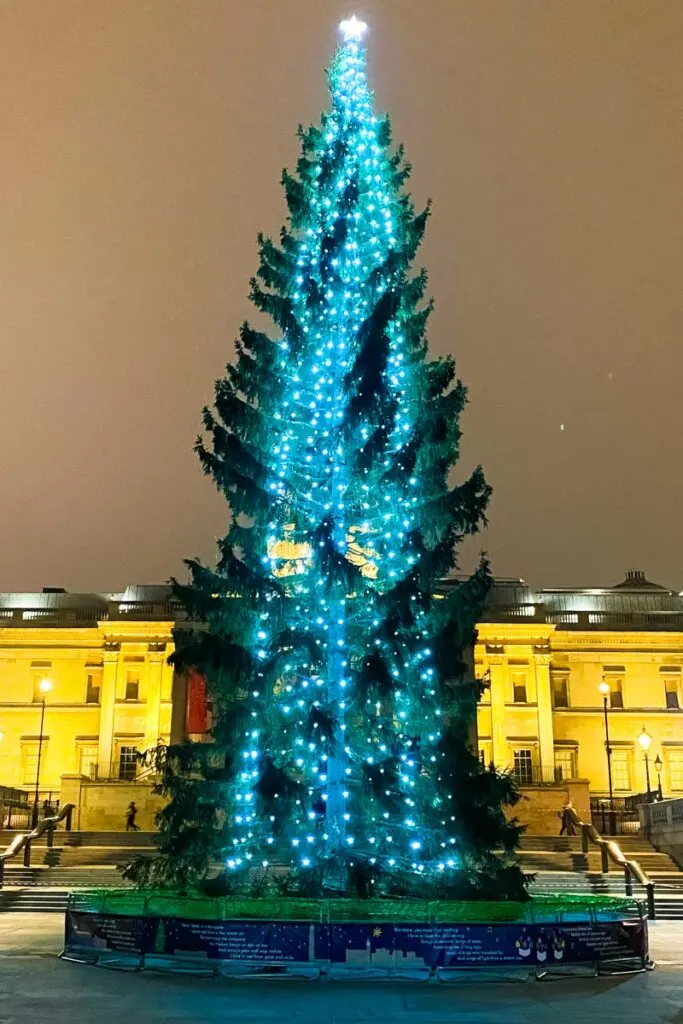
(156, 659)
(473, 731)
(546, 739)
(178, 707)
(498, 673)
(107, 699)
(70, 792)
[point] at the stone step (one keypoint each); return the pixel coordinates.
(77, 838)
(85, 877)
(534, 837)
(637, 853)
(650, 862)
(33, 901)
(109, 839)
(71, 856)
(55, 901)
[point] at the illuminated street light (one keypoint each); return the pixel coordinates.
(645, 740)
(45, 685)
(604, 690)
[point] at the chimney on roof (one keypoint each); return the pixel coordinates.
(637, 580)
(54, 590)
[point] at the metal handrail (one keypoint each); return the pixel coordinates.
(111, 771)
(611, 850)
(23, 840)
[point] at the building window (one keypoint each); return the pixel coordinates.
(675, 763)
(132, 685)
(560, 691)
(616, 692)
(565, 763)
(92, 690)
(87, 756)
(29, 762)
(671, 690)
(519, 689)
(127, 762)
(523, 767)
(621, 771)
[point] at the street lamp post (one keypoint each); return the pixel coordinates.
(658, 768)
(645, 740)
(604, 690)
(45, 685)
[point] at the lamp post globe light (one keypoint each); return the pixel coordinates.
(604, 690)
(44, 686)
(645, 740)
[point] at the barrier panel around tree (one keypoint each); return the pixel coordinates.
(338, 937)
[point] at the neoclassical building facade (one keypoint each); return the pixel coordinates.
(564, 666)
(100, 663)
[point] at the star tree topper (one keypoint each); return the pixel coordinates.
(353, 29)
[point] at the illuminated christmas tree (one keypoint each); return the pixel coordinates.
(344, 710)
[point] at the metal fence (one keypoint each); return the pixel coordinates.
(120, 770)
(17, 813)
(615, 819)
(526, 774)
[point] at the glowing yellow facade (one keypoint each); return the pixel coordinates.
(105, 657)
(292, 559)
(543, 654)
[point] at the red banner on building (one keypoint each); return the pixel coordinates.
(196, 718)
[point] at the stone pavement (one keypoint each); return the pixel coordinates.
(37, 988)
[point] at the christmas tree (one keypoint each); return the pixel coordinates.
(341, 759)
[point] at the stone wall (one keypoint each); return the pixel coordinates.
(662, 823)
(540, 805)
(101, 806)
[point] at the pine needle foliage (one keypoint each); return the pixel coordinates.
(341, 760)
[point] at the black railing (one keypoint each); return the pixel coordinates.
(21, 815)
(610, 851)
(615, 819)
(121, 771)
(23, 840)
(9, 795)
(539, 775)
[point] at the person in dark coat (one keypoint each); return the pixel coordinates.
(567, 816)
(130, 818)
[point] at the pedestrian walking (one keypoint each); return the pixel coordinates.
(567, 816)
(131, 813)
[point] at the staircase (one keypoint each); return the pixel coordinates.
(78, 860)
(560, 866)
(42, 901)
(89, 860)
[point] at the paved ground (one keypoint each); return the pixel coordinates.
(37, 988)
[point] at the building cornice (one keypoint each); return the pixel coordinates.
(640, 641)
(533, 633)
(54, 637)
(129, 632)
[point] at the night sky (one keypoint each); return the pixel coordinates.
(142, 144)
